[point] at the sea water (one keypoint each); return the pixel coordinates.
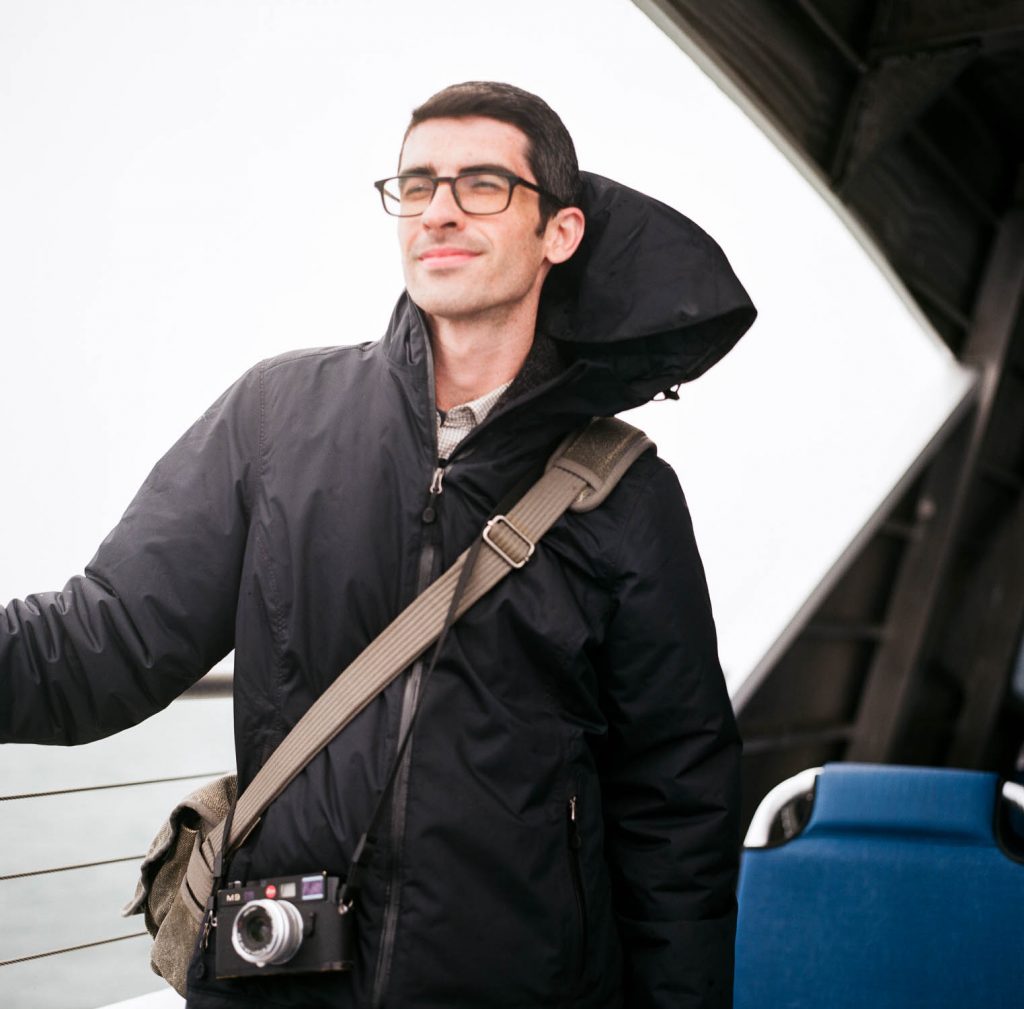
(118, 799)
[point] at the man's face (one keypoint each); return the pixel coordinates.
(459, 266)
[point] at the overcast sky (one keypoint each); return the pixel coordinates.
(185, 188)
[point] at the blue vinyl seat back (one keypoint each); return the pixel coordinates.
(895, 894)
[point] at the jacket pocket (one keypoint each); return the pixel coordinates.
(574, 846)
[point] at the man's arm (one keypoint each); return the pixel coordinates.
(670, 770)
(156, 606)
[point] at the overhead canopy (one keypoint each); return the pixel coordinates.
(911, 112)
(909, 115)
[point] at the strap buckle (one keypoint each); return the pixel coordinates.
(503, 554)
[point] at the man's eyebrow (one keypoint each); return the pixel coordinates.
(417, 170)
(430, 170)
(485, 168)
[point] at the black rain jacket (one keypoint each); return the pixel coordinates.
(564, 829)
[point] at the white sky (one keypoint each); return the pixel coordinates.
(185, 188)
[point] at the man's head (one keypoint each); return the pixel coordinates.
(550, 152)
(465, 264)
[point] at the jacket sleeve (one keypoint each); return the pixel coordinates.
(670, 770)
(155, 608)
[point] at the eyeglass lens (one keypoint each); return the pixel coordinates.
(477, 193)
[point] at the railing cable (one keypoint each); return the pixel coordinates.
(98, 788)
(70, 949)
(68, 868)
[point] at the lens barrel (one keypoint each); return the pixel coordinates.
(267, 932)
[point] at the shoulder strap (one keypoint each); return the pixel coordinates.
(599, 454)
(579, 476)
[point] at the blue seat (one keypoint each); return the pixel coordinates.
(895, 894)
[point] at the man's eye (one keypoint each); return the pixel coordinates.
(485, 183)
(416, 189)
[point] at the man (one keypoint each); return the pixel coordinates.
(563, 828)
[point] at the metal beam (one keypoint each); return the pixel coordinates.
(914, 25)
(998, 625)
(896, 669)
(954, 177)
(892, 674)
(1008, 479)
(937, 299)
(853, 59)
(900, 530)
(887, 101)
(845, 630)
(795, 739)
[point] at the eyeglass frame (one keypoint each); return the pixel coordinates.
(513, 180)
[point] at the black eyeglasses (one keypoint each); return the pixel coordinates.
(476, 193)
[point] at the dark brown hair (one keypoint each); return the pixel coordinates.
(550, 152)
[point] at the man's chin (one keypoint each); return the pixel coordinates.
(442, 305)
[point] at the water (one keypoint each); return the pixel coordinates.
(82, 905)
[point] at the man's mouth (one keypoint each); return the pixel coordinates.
(441, 256)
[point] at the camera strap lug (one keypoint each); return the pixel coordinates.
(209, 922)
(356, 873)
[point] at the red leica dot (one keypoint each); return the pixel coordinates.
(271, 891)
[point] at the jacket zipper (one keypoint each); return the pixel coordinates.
(576, 873)
(428, 560)
(396, 834)
(430, 512)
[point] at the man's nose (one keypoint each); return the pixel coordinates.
(442, 210)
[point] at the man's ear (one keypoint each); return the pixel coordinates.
(563, 234)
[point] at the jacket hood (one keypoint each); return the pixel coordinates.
(648, 301)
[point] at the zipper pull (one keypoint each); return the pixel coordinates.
(575, 841)
(436, 482)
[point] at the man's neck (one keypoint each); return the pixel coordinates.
(473, 358)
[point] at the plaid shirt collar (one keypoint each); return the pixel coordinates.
(453, 425)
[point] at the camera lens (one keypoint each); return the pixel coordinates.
(256, 930)
(267, 931)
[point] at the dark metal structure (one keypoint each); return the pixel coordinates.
(910, 114)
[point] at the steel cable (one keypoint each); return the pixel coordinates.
(68, 868)
(99, 788)
(70, 949)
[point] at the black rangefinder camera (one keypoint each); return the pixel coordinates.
(287, 925)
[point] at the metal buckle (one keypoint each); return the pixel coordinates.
(511, 561)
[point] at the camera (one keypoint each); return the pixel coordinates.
(286, 925)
